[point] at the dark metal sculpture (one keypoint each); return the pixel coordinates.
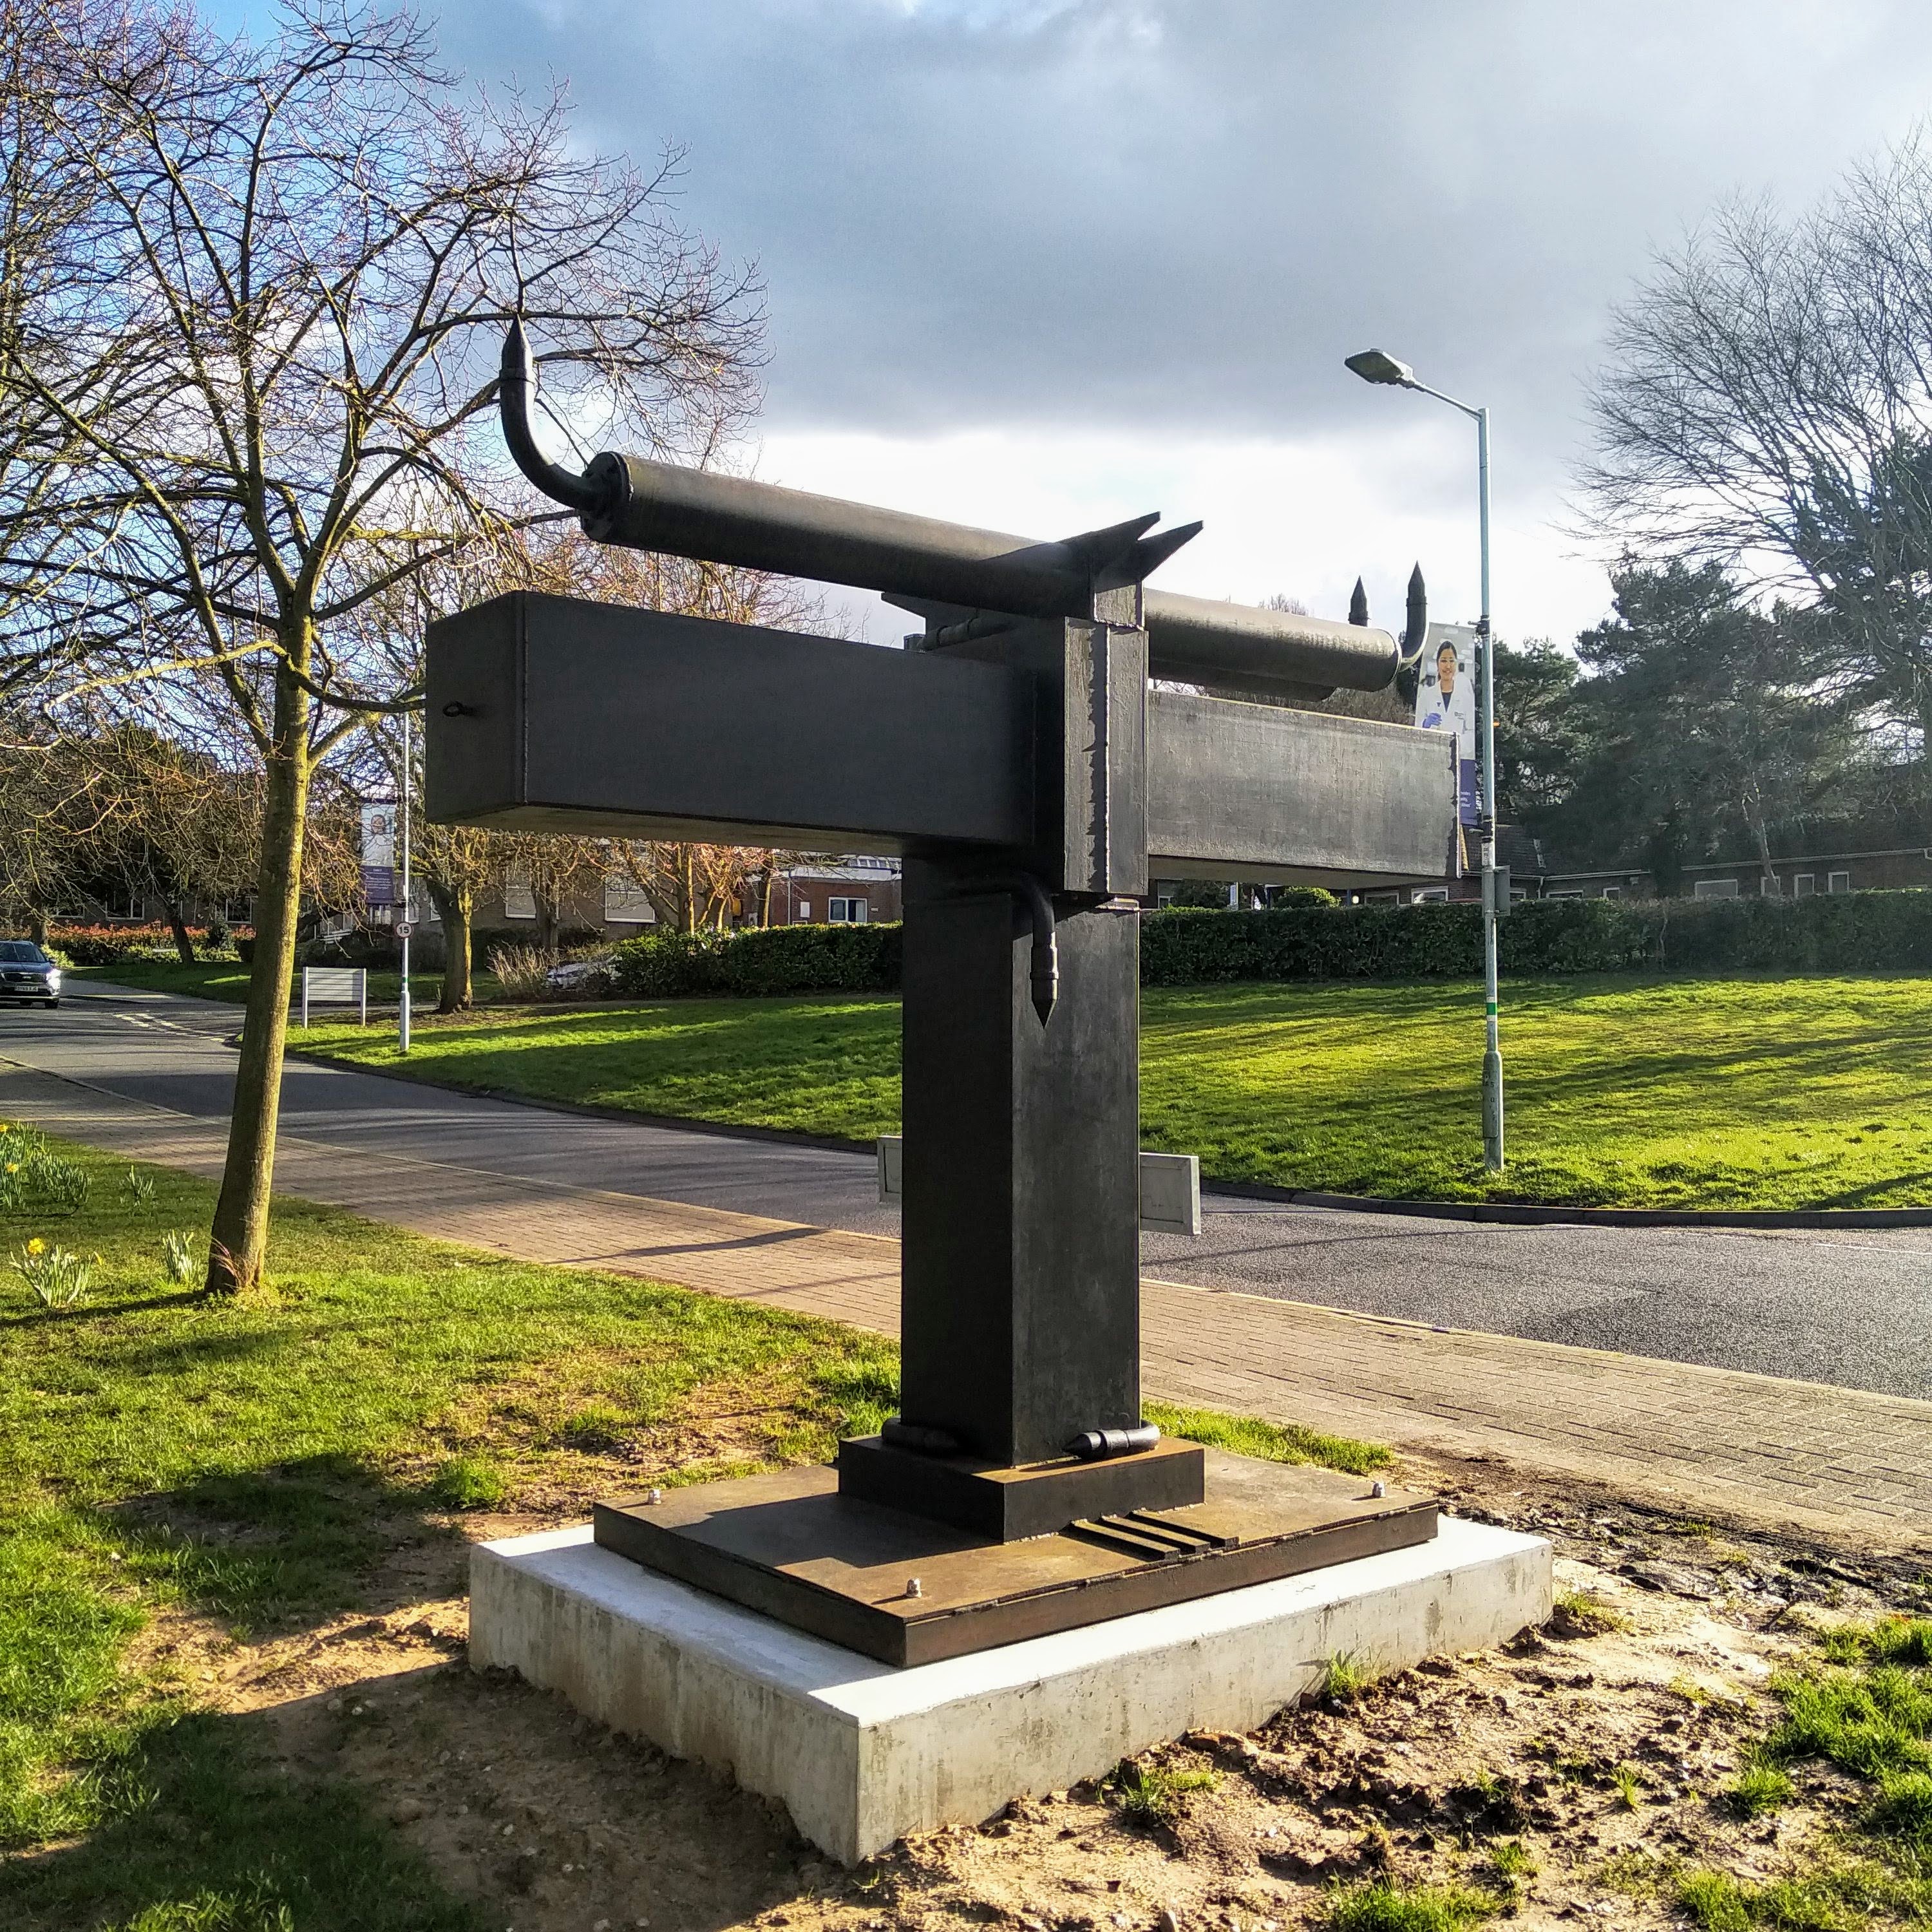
(1019, 757)
(959, 578)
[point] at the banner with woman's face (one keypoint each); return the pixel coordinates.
(1445, 700)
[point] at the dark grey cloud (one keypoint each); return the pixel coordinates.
(1186, 211)
(1111, 247)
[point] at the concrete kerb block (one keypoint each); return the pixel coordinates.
(861, 1753)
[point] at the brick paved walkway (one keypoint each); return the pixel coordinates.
(1716, 1442)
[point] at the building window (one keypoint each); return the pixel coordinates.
(1564, 892)
(519, 901)
(848, 912)
(624, 903)
(1804, 885)
(804, 909)
(1430, 895)
(1613, 892)
(1769, 886)
(1714, 889)
(1837, 882)
(1383, 899)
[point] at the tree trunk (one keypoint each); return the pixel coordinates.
(184, 939)
(36, 925)
(1761, 834)
(453, 905)
(549, 920)
(238, 1244)
(765, 895)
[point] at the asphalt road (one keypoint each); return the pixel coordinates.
(1855, 1309)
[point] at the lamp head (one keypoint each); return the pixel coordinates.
(1372, 366)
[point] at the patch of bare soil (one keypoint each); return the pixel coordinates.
(1602, 1756)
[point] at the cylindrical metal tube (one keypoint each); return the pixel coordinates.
(1095, 1445)
(1236, 647)
(729, 520)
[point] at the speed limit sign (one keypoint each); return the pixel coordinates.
(403, 928)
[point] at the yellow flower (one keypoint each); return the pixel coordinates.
(13, 1167)
(37, 1246)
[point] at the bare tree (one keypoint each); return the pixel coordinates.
(1768, 406)
(691, 887)
(55, 809)
(183, 828)
(273, 348)
(687, 886)
(556, 872)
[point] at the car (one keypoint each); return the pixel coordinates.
(580, 975)
(26, 972)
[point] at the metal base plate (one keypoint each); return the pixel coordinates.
(1007, 1504)
(790, 1546)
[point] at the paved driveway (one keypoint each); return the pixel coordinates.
(1854, 1309)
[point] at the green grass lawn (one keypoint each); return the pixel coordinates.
(252, 1464)
(251, 1467)
(1757, 1093)
(225, 979)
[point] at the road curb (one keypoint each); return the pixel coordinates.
(1524, 1214)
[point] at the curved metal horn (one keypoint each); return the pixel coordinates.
(515, 388)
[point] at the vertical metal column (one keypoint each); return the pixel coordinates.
(1020, 1261)
(1493, 1056)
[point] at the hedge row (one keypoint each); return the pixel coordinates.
(110, 945)
(761, 959)
(1849, 932)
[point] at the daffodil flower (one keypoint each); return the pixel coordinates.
(37, 1246)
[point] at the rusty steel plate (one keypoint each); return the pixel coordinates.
(790, 1545)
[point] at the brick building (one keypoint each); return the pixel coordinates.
(852, 889)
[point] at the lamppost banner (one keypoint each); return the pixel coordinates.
(1445, 700)
(379, 854)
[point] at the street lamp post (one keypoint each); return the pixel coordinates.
(1373, 366)
(403, 1003)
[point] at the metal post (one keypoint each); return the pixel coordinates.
(403, 1003)
(1373, 365)
(1492, 1057)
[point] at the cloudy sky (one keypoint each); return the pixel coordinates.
(1042, 264)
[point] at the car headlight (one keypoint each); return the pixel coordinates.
(53, 980)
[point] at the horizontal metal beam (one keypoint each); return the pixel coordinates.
(1252, 792)
(548, 714)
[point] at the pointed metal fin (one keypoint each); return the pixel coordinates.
(1358, 605)
(1151, 552)
(1097, 549)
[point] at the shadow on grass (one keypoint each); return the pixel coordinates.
(285, 1547)
(91, 1310)
(199, 1834)
(280, 1820)
(1858, 1197)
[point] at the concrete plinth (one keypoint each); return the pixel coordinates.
(861, 1753)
